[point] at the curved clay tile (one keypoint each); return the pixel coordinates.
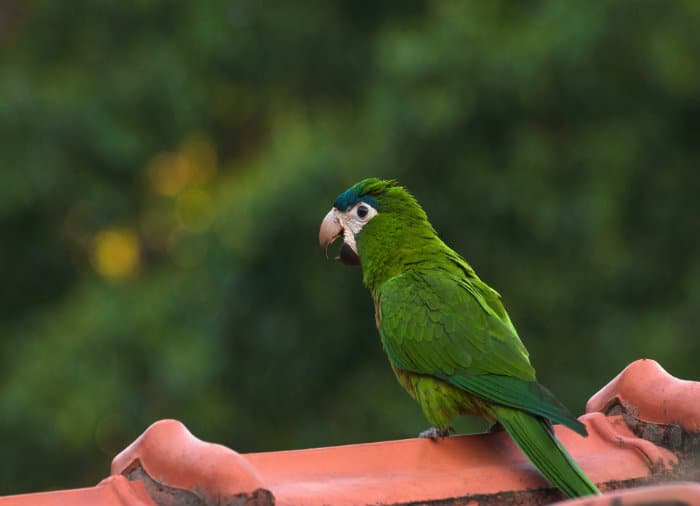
(112, 491)
(673, 494)
(175, 468)
(486, 468)
(646, 391)
(172, 462)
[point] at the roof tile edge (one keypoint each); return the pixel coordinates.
(170, 461)
(647, 392)
(679, 493)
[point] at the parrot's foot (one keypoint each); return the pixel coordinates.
(435, 433)
(496, 427)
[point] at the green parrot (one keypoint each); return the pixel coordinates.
(446, 333)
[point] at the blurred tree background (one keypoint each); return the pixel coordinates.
(165, 167)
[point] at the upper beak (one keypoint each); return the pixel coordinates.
(330, 230)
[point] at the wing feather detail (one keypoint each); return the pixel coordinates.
(445, 326)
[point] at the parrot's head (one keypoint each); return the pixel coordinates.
(375, 219)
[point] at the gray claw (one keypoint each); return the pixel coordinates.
(434, 433)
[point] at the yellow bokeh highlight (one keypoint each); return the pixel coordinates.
(193, 164)
(116, 253)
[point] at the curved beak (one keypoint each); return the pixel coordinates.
(330, 230)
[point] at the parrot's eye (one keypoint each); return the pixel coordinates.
(362, 211)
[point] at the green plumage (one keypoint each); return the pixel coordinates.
(448, 337)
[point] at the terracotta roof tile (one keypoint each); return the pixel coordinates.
(673, 494)
(112, 491)
(184, 465)
(642, 429)
(645, 390)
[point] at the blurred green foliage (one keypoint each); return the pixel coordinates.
(165, 167)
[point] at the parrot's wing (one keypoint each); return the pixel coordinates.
(433, 323)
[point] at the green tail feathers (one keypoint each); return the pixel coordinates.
(534, 437)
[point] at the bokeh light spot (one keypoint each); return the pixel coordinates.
(116, 253)
(194, 164)
(169, 173)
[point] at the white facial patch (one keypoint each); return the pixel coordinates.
(353, 220)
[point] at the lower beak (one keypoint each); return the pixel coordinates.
(330, 230)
